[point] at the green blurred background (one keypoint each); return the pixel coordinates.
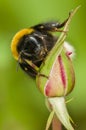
(22, 107)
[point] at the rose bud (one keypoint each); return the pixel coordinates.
(61, 78)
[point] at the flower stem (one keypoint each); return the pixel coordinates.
(56, 124)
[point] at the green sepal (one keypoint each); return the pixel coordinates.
(49, 121)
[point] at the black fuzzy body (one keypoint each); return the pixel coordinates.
(35, 46)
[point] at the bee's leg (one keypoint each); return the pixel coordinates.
(30, 63)
(51, 26)
(42, 75)
(34, 68)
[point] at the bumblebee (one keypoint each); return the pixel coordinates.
(30, 46)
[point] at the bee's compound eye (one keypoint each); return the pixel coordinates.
(32, 45)
(33, 42)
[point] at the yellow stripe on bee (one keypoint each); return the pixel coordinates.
(16, 40)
